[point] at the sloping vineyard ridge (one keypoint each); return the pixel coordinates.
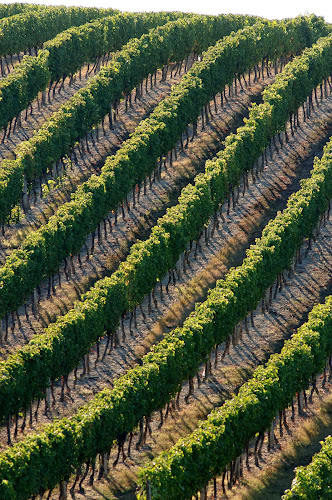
(165, 251)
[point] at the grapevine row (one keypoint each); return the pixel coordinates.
(315, 480)
(10, 9)
(67, 52)
(89, 106)
(33, 27)
(66, 232)
(39, 462)
(25, 374)
(194, 460)
(120, 298)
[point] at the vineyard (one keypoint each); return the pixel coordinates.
(165, 254)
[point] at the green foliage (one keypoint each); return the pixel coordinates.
(194, 460)
(33, 26)
(65, 233)
(314, 481)
(30, 29)
(41, 461)
(90, 105)
(101, 309)
(148, 387)
(10, 9)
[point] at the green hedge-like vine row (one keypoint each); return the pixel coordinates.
(39, 462)
(91, 104)
(22, 85)
(10, 9)
(315, 480)
(33, 27)
(65, 233)
(148, 261)
(24, 375)
(195, 460)
(67, 52)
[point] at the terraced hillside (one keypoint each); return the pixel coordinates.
(165, 195)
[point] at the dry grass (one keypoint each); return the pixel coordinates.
(189, 163)
(178, 425)
(298, 449)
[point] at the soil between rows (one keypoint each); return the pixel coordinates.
(314, 282)
(311, 282)
(136, 224)
(47, 196)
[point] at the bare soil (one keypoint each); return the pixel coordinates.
(310, 283)
(136, 223)
(300, 441)
(35, 115)
(55, 188)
